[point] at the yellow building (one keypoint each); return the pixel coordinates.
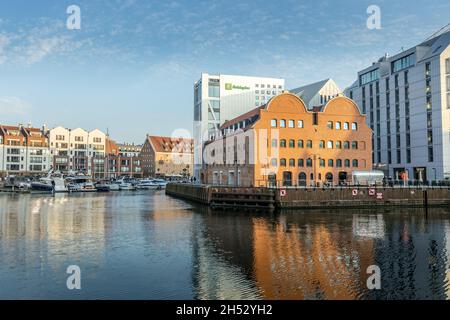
(284, 143)
(166, 157)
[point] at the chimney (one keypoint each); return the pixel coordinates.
(44, 128)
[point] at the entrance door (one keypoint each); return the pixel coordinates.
(342, 177)
(302, 179)
(272, 180)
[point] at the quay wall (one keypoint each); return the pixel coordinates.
(362, 198)
(311, 198)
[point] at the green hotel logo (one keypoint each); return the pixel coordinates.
(230, 86)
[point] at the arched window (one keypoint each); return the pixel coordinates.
(330, 144)
(338, 144)
(345, 125)
(330, 124)
(354, 126)
(309, 162)
(347, 163)
(283, 162)
(309, 144)
(300, 143)
(291, 162)
(330, 162)
(346, 145)
(273, 123)
(300, 162)
(292, 143)
(338, 163)
(274, 143)
(321, 144)
(282, 123)
(300, 124)
(273, 162)
(291, 124)
(355, 163)
(355, 145)
(338, 125)
(322, 162)
(283, 143)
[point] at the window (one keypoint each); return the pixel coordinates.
(354, 126)
(300, 143)
(282, 123)
(274, 143)
(309, 162)
(330, 144)
(322, 144)
(447, 66)
(300, 162)
(355, 163)
(338, 163)
(300, 124)
(292, 143)
(273, 123)
(322, 162)
(347, 163)
(369, 77)
(283, 143)
(330, 124)
(346, 145)
(345, 125)
(291, 162)
(273, 162)
(330, 163)
(338, 145)
(309, 144)
(338, 125)
(283, 162)
(291, 124)
(355, 145)
(403, 63)
(213, 88)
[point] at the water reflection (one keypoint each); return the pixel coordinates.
(142, 245)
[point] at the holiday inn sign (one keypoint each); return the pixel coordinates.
(230, 86)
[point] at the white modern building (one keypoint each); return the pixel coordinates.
(317, 93)
(218, 98)
(77, 150)
(407, 101)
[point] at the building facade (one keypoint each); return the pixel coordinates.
(122, 161)
(23, 151)
(407, 101)
(218, 98)
(283, 143)
(318, 93)
(129, 149)
(167, 157)
(77, 150)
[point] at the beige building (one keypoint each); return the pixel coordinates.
(166, 157)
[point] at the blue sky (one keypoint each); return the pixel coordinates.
(131, 67)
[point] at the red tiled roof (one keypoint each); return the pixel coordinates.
(168, 144)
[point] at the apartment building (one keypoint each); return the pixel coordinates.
(284, 143)
(120, 161)
(129, 149)
(166, 157)
(407, 101)
(77, 150)
(23, 150)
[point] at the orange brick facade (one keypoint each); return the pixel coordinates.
(283, 143)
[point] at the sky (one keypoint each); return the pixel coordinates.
(130, 68)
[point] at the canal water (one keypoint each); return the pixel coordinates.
(146, 245)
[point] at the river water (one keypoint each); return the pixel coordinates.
(146, 245)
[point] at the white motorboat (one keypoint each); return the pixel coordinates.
(161, 183)
(125, 185)
(50, 183)
(147, 184)
(81, 184)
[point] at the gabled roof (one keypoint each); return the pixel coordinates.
(169, 144)
(307, 92)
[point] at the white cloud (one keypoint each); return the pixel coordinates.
(13, 105)
(38, 49)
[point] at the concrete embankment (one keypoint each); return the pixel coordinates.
(292, 198)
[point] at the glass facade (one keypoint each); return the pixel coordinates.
(403, 63)
(369, 77)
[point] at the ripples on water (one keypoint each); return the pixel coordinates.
(143, 245)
